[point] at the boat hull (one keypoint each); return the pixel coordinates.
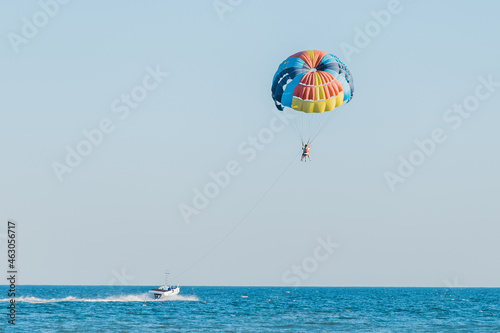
(161, 293)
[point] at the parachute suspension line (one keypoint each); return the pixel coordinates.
(307, 130)
(303, 123)
(312, 122)
(322, 124)
(308, 126)
(317, 119)
(295, 127)
(329, 117)
(309, 123)
(300, 123)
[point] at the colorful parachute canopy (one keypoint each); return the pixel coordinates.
(312, 82)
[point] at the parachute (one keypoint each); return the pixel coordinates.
(311, 82)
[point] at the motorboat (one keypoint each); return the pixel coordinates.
(165, 290)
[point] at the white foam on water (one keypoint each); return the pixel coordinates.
(121, 298)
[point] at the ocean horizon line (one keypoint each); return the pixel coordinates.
(251, 286)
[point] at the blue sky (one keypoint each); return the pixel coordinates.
(115, 219)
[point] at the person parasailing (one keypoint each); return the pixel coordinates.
(305, 151)
(311, 85)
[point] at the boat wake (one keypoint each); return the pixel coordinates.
(121, 298)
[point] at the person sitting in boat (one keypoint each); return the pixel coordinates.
(305, 151)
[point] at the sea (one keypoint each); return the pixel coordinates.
(251, 309)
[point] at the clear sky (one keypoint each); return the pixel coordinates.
(201, 72)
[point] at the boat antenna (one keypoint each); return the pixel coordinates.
(166, 277)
